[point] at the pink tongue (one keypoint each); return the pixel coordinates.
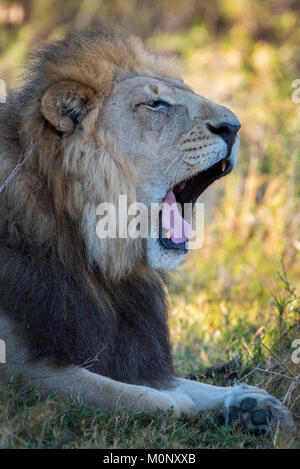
(172, 220)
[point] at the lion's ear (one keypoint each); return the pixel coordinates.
(66, 103)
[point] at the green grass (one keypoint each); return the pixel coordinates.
(30, 419)
(237, 298)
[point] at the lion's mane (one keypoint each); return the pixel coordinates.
(106, 311)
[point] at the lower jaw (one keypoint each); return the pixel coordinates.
(168, 244)
(178, 247)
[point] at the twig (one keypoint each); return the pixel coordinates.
(17, 168)
(277, 358)
(293, 378)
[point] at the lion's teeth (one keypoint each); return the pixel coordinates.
(223, 165)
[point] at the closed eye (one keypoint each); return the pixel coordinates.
(157, 105)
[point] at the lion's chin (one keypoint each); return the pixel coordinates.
(163, 259)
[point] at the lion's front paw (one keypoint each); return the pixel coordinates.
(256, 410)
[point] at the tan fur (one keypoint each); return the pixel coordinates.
(83, 129)
(88, 65)
(81, 75)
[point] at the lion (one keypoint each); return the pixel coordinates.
(99, 116)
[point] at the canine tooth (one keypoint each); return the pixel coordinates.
(223, 165)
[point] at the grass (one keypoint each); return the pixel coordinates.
(30, 419)
(236, 299)
(33, 421)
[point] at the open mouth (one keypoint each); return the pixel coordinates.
(173, 228)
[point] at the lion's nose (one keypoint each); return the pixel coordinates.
(226, 130)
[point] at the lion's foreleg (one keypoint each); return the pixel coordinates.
(78, 382)
(102, 392)
(254, 407)
(204, 396)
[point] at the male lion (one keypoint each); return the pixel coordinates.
(98, 117)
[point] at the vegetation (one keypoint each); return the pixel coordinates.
(237, 299)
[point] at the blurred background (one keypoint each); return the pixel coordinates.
(243, 285)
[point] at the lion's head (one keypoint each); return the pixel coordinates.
(102, 117)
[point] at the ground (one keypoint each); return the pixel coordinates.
(237, 298)
(30, 419)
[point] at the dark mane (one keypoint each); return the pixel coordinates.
(124, 335)
(66, 309)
